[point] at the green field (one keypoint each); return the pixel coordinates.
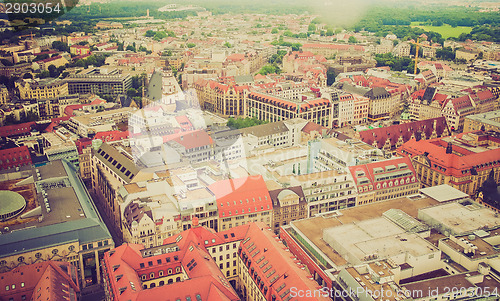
(446, 30)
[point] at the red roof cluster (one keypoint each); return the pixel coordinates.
(48, 280)
(458, 165)
(127, 266)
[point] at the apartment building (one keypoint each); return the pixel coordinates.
(382, 104)
(270, 108)
(489, 121)
(456, 109)
(463, 161)
(326, 191)
(4, 94)
(112, 167)
(384, 180)
(14, 157)
(48, 280)
(242, 201)
(41, 89)
(180, 268)
(224, 99)
(267, 271)
(277, 134)
(288, 89)
(338, 153)
(288, 204)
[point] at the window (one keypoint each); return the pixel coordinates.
(142, 265)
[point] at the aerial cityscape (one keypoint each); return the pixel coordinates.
(249, 150)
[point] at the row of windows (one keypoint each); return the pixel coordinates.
(160, 273)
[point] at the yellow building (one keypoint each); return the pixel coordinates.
(488, 121)
(4, 94)
(463, 161)
(41, 89)
(223, 99)
(271, 108)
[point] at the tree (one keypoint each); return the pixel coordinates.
(149, 34)
(227, 45)
(131, 48)
(352, 40)
(60, 46)
(274, 31)
(269, 69)
(330, 77)
(53, 72)
(160, 35)
(311, 27)
(190, 45)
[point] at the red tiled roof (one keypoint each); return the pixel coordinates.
(241, 196)
(235, 57)
(109, 136)
(404, 130)
(51, 279)
(273, 264)
(194, 139)
(371, 175)
(203, 278)
(68, 110)
(184, 122)
(451, 164)
(16, 129)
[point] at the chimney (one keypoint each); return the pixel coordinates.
(449, 149)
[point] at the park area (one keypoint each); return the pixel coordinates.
(445, 30)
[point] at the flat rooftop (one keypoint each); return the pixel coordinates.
(72, 217)
(439, 286)
(459, 218)
(485, 247)
(312, 228)
(378, 236)
(443, 193)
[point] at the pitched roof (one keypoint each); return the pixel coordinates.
(57, 281)
(194, 139)
(187, 250)
(396, 171)
(241, 196)
(454, 164)
(404, 130)
(270, 262)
